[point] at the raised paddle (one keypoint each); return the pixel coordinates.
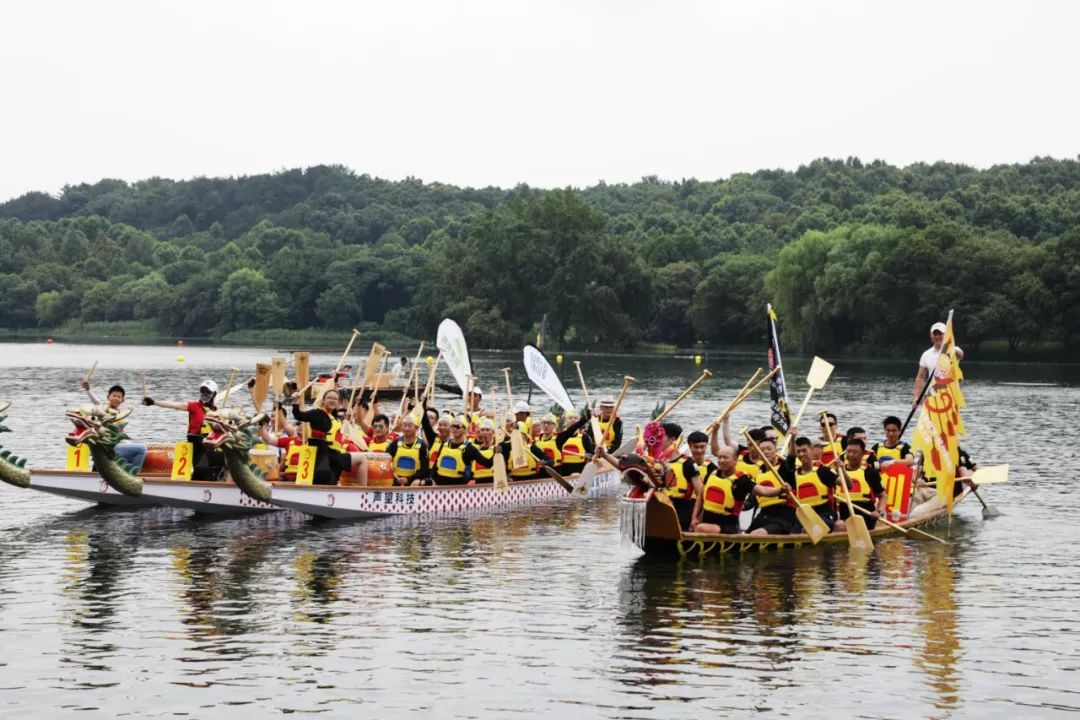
(740, 397)
(90, 373)
(687, 391)
(518, 458)
(811, 522)
(816, 379)
(341, 360)
(901, 528)
(228, 387)
(857, 533)
(378, 380)
(584, 390)
(262, 385)
(627, 381)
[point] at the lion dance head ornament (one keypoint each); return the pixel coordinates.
(654, 438)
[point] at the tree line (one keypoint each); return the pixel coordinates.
(855, 257)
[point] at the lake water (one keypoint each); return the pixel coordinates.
(540, 612)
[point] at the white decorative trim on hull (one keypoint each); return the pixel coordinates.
(356, 503)
(86, 486)
(215, 498)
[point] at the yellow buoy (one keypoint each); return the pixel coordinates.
(179, 358)
(558, 359)
(430, 360)
(697, 359)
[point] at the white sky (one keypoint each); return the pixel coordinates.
(549, 93)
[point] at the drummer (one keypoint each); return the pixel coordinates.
(205, 465)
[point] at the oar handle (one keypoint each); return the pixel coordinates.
(798, 416)
(90, 372)
(228, 386)
(794, 494)
(687, 391)
(341, 360)
(509, 395)
(839, 463)
(741, 397)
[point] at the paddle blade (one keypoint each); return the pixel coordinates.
(585, 480)
(858, 535)
(597, 431)
(626, 448)
(819, 373)
(992, 475)
(277, 375)
(518, 457)
(812, 523)
(262, 385)
(502, 483)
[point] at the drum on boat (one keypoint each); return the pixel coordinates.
(266, 459)
(380, 471)
(159, 458)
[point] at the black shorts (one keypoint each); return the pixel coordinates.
(777, 520)
(826, 513)
(729, 524)
(870, 521)
(685, 509)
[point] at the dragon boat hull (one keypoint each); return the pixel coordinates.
(651, 523)
(360, 503)
(85, 486)
(212, 498)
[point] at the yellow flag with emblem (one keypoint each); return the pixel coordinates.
(940, 425)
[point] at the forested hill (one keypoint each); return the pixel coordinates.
(855, 257)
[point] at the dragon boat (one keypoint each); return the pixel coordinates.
(648, 520)
(78, 485)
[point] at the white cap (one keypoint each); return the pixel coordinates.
(938, 327)
(607, 402)
(521, 406)
(209, 385)
(477, 392)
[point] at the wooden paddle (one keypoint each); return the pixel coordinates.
(627, 381)
(262, 385)
(518, 457)
(371, 367)
(687, 391)
(378, 379)
(581, 377)
(816, 379)
(502, 482)
(90, 372)
(228, 387)
(341, 360)
(429, 388)
(857, 532)
(585, 479)
(811, 522)
(990, 475)
(559, 478)
(901, 528)
(743, 393)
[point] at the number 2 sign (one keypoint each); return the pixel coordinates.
(182, 459)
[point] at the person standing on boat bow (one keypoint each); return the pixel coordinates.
(134, 453)
(204, 466)
(929, 360)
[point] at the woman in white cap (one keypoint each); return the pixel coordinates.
(204, 466)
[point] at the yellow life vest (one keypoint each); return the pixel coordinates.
(480, 472)
(451, 463)
(573, 450)
(436, 446)
(374, 446)
(406, 458)
(830, 450)
(890, 453)
(860, 489)
(609, 431)
(768, 479)
(529, 469)
(747, 468)
(550, 448)
(332, 435)
(719, 495)
(680, 486)
(811, 490)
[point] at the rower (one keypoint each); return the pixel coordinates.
(686, 476)
(825, 452)
(717, 507)
(330, 457)
(450, 465)
(480, 455)
(857, 433)
(814, 483)
(379, 439)
(893, 449)
(408, 454)
(534, 456)
(864, 484)
(574, 443)
(523, 417)
(132, 452)
(611, 427)
(205, 466)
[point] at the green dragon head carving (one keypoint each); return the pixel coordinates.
(95, 425)
(234, 433)
(12, 469)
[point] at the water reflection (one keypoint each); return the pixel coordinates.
(940, 650)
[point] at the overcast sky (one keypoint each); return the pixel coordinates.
(548, 93)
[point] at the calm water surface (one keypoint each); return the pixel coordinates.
(539, 612)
